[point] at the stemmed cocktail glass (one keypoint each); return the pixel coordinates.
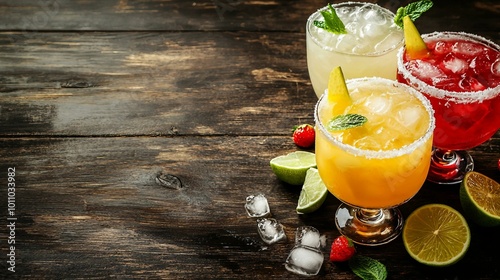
(461, 78)
(379, 165)
(368, 49)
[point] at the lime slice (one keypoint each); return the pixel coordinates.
(415, 45)
(313, 193)
(480, 199)
(338, 94)
(436, 235)
(292, 168)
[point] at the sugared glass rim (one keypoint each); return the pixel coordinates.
(379, 154)
(314, 15)
(454, 96)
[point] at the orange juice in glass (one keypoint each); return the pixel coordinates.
(379, 165)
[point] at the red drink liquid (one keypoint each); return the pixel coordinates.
(461, 78)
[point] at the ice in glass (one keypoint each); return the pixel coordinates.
(368, 49)
(461, 78)
(377, 166)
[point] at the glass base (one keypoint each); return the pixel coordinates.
(449, 167)
(369, 226)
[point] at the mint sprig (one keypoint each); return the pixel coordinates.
(332, 21)
(346, 121)
(414, 10)
(367, 268)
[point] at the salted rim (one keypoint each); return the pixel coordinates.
(380, 154)
(349, 3)
(454, 96)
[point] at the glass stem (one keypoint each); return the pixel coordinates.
(445, 157)
(448, 166)
(370, 216)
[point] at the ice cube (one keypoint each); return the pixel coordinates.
(495, 67)
(441, 48)
(257, 206)
(308, 236)
(466, 48)
(375, 17)
(372, 30)
(378, 104)
(270, 230)
(367, 143)
(389, 41)
(345, 42)
(352, 14)
(343, 11)
(304, 260)
(424, 70)
(471, 84)
(352, 27)
(409, 117)
(454, 64)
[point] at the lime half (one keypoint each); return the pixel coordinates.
(436, 235)
(480, 199)
(313, 193)
(292, 168)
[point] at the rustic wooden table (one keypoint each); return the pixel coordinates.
(100, 98)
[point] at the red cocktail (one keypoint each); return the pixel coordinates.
(461, 78)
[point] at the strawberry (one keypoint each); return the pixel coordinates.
(303, 135)
(342, 249)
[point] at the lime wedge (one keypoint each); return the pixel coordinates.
(436, 235)
(480, 199)
(292, 168)
(313, 193)
(415, 45)
(338, 94)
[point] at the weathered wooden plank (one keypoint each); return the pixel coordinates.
(41, 15)
(154, 84)
(155, 15)
(91, 208)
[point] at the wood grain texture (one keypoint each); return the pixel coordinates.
(154, 83)
(99, 98)
(91, 207)
(217, 15)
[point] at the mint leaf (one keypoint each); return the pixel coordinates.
(367, 268)
(332, 21)
(346, 121)
(414, 10)
(320, 24)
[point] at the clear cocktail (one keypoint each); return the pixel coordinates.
(461, 78)
(377, 166)
(368, 49)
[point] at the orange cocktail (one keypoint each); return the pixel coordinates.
(384, 162)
